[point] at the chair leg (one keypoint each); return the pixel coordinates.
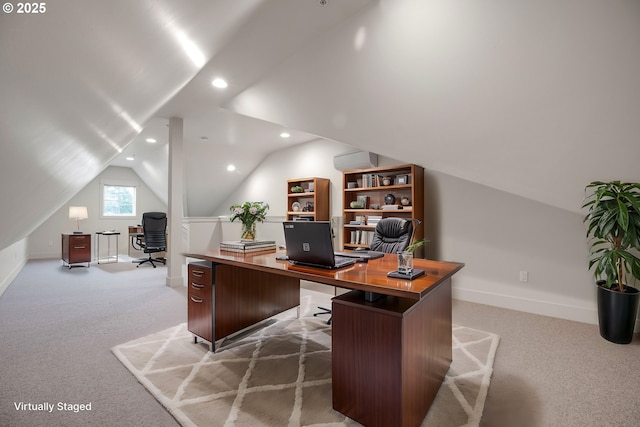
(324, 311)
(149, 260)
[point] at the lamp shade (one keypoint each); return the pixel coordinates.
(78, 212)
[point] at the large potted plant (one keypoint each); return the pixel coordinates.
(613, 220)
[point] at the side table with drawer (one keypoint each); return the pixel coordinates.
(76, 249)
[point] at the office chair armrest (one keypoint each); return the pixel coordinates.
(138, 244)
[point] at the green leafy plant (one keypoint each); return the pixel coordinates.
(613, 220)
(415, 245)
(249, 213)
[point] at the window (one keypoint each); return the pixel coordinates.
(118, 200)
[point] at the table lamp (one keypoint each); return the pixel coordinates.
(78, 213)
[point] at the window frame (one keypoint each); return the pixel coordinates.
(117, 183)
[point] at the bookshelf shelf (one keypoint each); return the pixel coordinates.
(368, 185)
(312, 202)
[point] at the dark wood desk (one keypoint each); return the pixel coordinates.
(135, 232)
(389, 356)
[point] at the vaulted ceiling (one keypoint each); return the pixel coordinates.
(533, 98)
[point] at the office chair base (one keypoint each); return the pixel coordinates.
(150, 260)
(324, 311)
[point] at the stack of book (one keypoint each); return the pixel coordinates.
(373, 219)
(361, 237)
(248, 246)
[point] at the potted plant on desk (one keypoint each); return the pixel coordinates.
(249, 213)
(613, 220)
(405, 257)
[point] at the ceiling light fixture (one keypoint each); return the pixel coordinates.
(131, 157)
(285, 134)
(231, 168)
(219, 83)
(151, 140)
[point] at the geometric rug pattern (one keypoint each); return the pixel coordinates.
(279, 374)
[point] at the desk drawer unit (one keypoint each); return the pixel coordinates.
(200, 300)
(390, 356)
(76, 248)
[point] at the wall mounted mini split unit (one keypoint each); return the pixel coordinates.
(357, 160)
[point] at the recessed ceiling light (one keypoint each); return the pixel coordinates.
(131, 158)
(219, 83)
(151, 140)
(285, 134)
(231, 168)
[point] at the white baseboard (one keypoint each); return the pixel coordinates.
(44, 255)
(527, 305)
(6, 281)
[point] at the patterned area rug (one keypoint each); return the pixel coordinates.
(279, 374)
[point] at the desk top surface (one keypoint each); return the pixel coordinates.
(367, 276)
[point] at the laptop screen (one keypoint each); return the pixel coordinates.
(310, 243)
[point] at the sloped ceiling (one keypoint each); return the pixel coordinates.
(533, 98)
(80, 80)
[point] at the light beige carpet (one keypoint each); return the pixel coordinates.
(279, 374)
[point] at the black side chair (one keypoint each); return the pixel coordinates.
(154, 233)
(392, 235)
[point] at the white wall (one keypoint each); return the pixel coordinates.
(12, 259)
(495, 233)
(45, 241)
(268, 183)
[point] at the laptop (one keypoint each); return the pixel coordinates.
(362, 256)
(309, 243)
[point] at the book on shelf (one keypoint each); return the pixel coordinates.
(391, 207)
(371, 180)
(361, 237)
(373, 219)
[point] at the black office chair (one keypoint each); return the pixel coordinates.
(392, 235)
(154, 237)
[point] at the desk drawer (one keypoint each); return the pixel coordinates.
(200, 317)
(199, 273)
(200, 290)
(200, 280)
(200, 300)
(81, 239)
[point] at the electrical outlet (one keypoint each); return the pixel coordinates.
(524, 276)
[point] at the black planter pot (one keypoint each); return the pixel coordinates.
(617, 313)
